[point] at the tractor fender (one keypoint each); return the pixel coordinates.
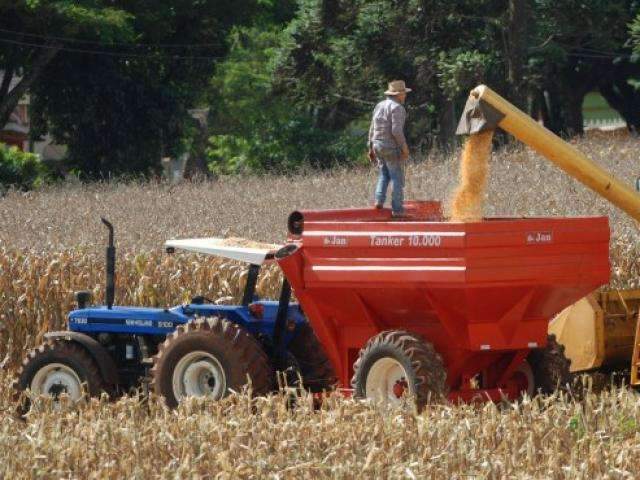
(106, 364)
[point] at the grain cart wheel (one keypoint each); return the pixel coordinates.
(396, 363)
(209, 358)
(524, 378)
(315, 368)
(58, 367)
(550, 367)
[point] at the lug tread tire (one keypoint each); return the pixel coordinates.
(58, 351)
(240, 354)
(422, 363)
(315, 368)
(550, 367)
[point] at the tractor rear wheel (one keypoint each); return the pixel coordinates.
(212, 358)
(314, 366)
(550, 367)
(55, 368)
(396, 364)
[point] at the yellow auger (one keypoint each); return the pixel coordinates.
(602, 329)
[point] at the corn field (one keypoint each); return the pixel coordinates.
(240, 437)
(51, 244)
(37, 288)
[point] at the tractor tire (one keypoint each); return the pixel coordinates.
(395, 363)
(314, 366)
(211, 357)
(58, 367)
(550, 367)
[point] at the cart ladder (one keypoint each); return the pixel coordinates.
(635, 362)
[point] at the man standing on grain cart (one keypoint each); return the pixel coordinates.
(388, 146)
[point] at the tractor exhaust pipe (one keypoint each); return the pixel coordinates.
(111, 267)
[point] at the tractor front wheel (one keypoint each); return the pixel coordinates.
(396, 364)
(312, 362)
(211, 358)
(55, 368)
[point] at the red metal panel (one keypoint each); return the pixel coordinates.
(475, 290)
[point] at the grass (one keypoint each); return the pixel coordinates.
(51, 243)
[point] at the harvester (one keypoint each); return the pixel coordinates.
(419, 307)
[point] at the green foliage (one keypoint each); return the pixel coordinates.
(257, 127)
(293, 82)
(634, 30)
(340, 55)
(283, 146)
(460, 71)
(344, 50)
(118, 93)
(108, 23)
(577, 425)
(92, 19)
(20, 169)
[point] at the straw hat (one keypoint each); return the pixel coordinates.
(396, 87)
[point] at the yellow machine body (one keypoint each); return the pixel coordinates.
(603, 328)
(599, 330)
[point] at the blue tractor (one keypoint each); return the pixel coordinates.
(192, 350)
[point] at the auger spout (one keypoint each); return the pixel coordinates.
(486, 110)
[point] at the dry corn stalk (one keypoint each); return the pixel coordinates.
(239, 437)
(36, 288)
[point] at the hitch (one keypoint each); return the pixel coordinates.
(280, 327)
(110, 267)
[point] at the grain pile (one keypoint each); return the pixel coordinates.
(468, 199)
(247, 243)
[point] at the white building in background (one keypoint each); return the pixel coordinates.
(16, 131)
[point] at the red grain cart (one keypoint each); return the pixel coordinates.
(428, 307)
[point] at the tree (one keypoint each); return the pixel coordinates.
(545, 55)
(255, 127)
(341, 54)
(516, 54)
(122, 103)
(27, 45)
(580, 47)
(20, 169)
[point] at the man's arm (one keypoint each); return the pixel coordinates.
(372, 154)
(398, 117)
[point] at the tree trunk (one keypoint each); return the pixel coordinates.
(447, 121)
(623, 98)
(575, 120)
(9, 101)
(551, 110)
(196, 166)
(7, 76)
(517, 35)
